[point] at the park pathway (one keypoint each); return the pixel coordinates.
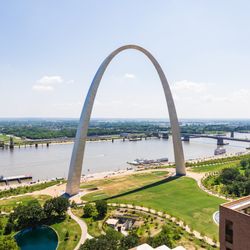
(83, 227)
(180, 223)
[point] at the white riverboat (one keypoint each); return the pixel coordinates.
(219, 151)
(145, 161)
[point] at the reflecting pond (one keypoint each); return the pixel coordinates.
(40, 238)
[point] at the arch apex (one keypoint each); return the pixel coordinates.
(75, 169)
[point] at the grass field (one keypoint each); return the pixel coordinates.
(28, 188)
(7, 205)
(180, 197)
(214, 167)
(117, 185)
(94, 226)
(74, 233)
(6, 139)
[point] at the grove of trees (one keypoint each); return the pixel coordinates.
(8, 243)
(112, 240)
(33, 214)
(97, 210)
(116, 241)
(234, 181)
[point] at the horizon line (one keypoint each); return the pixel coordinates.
(124, 118)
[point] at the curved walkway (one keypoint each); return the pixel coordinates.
(198, 177)
(167, 216)
(55, 191)
(83, 227)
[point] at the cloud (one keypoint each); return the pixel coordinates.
(70, 82)
(47, 83)
(50, 80)
(68, 104)
(128, 75)
(108, 103)
(186, 85)
(42, 88)
(238, 96)
(241, 95)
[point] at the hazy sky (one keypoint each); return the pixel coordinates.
(50, 51)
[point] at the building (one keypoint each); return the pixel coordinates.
(163, 247)
(112, 222)
(235, 225)
(121, 223)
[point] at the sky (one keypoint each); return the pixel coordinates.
(51, 50)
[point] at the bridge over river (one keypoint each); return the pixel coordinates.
(220, 138)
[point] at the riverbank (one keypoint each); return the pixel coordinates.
(123, 171)
(54, 141)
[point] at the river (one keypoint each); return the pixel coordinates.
(53, 161)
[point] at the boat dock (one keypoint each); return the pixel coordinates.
(18, 179)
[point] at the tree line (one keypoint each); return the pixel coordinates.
(33, 214)
(233, 181)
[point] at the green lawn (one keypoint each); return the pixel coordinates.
(94, 226)
(117, 185)
(74, 233)
(181, 198)
(7, 205)
(214, 167)
(29, 188)
(6, 139)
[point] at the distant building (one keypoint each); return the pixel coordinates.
(112, 222)
(126, 135)
(235, 225)
(163, 247)
(121, 223)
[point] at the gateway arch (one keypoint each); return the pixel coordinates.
(75, 169)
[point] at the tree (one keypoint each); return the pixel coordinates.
(102, 208)
(166, 237)
(30, 215)
(89, 210)
(243, 163)
(132, 240)
(66, 236)
(110, 241)
(247, 173)
(8, 243)
(49, 208)
(61, 205)
(247, 188)
(228, 175)
(58, 205)
(9, 227)
(73, 204)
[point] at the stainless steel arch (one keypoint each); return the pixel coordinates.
(75, 169)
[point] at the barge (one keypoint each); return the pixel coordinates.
(145, 161)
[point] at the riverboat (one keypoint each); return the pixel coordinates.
(219, 151)
(145, 161)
